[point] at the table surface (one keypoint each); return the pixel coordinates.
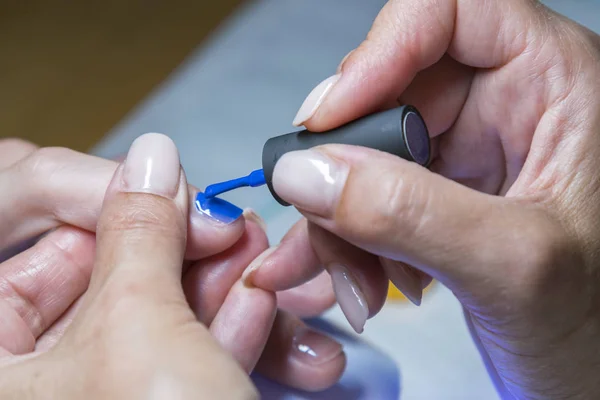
(244, 86)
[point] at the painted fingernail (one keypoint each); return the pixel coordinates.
(349, 296)
(409, 284)
(217, 209)
(313, 348)
(310, 180)
(315, 99)
(255, 265)
(152, 166)
(250, 215)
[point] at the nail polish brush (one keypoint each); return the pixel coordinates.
(400, 131)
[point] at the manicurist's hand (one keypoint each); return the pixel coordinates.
(507, 218)
(60, 192)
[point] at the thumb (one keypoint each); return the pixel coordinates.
(400, 210)
(141, 231)
(407, 37)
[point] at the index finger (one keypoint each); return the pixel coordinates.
(54, 186)
(409, 36)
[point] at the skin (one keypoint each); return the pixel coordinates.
(43, 288)
(507, 217)
(130, 290)
(517, 150)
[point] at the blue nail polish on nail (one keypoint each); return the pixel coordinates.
(219, 209)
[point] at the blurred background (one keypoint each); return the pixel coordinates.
(69, 70)
(221, 77)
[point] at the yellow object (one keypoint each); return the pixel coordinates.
(395, 295)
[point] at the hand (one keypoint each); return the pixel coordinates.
(135, 335)
(509, 218)
(62, 191)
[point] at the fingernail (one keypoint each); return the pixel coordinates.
(250, 215)
(315, 99)
(217, 209)
(309, 180)
(415, 295)
(255, 265)
(314, 348)
(407, 283)
(339, 68)
(349, 296)
(152, 166)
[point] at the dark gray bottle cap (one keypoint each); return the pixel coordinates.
(400, 131)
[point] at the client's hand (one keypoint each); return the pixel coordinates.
(134, 335)
(61, 191)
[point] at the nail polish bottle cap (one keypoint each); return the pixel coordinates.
(400, 131)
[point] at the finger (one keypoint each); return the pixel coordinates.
(211, 234)
(54, 186)
(38, 285)
(408, 37)
(488, 163)
(399, 210)
(298, 356)
(243, 323)
(13, 150)
(54, 333)
(309, 299)
(289, 264)
(300, 257)
(207, 282)
(143, 225)
(439, 93)
(359, 282)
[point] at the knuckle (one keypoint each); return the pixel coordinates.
(400, 207)
(16, 144)
(44, 163)
(38, 171)
(396, 206)
(13, 150)
(144, 214)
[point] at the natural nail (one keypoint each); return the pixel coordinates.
(314, 348)
(349, 296)
(152, 166)
(255, 265)
(406, 282)
(310, 180)
(315, 99)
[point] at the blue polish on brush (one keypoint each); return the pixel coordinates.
(254, 179)
(219, 209)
